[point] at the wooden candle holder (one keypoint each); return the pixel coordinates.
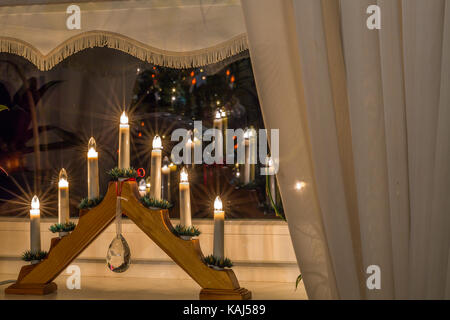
(216, 284)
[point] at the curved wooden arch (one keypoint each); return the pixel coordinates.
(216, 284)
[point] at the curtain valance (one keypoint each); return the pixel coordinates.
(178, 34)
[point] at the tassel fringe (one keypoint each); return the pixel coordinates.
(91, 39)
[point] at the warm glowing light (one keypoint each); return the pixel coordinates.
(157, 144)
(92, 154)
(228, 72)
(142, 185)
(63, 183)
(192, 73)
(218, 102)
(218, 114)
(217, 204)
(232, 79)
(173, 89)
(194, 81)
(203, 78)
(201, 70)
(124, 119)
(299, 185)
(183, 175)
(35, 203)
(91, 147)
(173, 98)
(238, 174)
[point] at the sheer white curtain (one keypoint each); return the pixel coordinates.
(364, 119)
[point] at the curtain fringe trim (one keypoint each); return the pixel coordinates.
(91, 39)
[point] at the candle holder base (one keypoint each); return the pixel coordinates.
(30, 288)
(34, 289)
(225, 294)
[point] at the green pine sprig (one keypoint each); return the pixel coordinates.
(31, 255)
(62, 227)
(191, 231)
(117, 173)
(87, 203)
(149, 202)
(214, 261)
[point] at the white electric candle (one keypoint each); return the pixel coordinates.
(246, 175)
(165, 180)
(253, 151)
(142, 188)
(272, 185)
(219, 226)
(218, 143)
(155, 171)
(124, 142)
(224, 117)
(63, 197)
(190, 150)
(185, 199)
(92, 165)
(35, 225)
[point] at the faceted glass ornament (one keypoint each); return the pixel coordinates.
(118, 256)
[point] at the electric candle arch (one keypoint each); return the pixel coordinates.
(214, 285)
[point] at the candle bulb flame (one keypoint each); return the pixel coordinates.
(183, 175)
(92, 153)
(123, 118)
(35, 203)
(63, 183)
(92, 144)
(217, 204)
(157, 142)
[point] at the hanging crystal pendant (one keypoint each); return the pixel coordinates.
(118, 255)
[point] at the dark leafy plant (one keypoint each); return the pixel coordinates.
(299, 278)
(214, 261)
(149, 202)
(278, 212)
(87, 203)
(191, 231)
(116, 173)
(31, 255)
(62, 227)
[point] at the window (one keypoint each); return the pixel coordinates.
(85, 94)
